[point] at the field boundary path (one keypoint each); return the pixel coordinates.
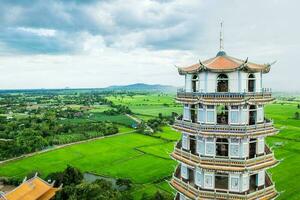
(62, 146)
(137, 120)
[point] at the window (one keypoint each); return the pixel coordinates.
(195, 85)
(252, 115)
(200, 146)
(234, 115)
(234, 184)
(184, 171)
(222, 114)
(199, 177)
(208, 181)
(251, 83)
(234, 148)
(201, 113)
(260, 113)
(221, 181)
(210, 107)
(222, 83)
(222, 147)
(185, 142)
(210, 114)
(193, 115)
(209, 147)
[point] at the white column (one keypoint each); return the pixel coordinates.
(188, 82)
(245, 182)
(260, 145)
(245, 147)
(186, 112)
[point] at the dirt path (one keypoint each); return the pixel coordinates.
(137, 120)
(62, 146)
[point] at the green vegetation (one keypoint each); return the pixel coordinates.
(142, 159)
(132, 156)
(148, 105)
(287, 149)
(75, 187)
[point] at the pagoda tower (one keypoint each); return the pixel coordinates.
(222, 153)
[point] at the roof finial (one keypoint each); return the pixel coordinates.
(221, 37)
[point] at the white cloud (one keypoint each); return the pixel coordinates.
(43, 32)
(112, 42)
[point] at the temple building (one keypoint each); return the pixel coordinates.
(222, 153)
(31, 189)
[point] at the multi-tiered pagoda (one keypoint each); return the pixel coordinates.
(222, 153)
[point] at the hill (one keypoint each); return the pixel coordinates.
(142, 87)
(137, 87)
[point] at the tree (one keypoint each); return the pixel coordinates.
(97, 190)
(30, 141)
(70, 176)
(297, 115)
(124, 183)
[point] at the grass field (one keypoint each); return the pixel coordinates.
(134, 156)
(148, 105)
(100, 116)
(287, 148)
(119, 119)
(145, 159)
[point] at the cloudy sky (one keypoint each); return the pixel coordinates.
(57, 44)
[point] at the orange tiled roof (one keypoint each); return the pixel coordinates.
(32, 189)
(222, 62)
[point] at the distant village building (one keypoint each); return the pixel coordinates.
(222, 153)
(31, 189)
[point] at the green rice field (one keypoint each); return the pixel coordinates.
(145, 159)
(134, 156)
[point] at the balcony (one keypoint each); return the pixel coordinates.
(219, 163)
(191, 190)
(224, 97)
(266, 128)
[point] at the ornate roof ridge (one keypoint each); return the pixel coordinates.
(225, 63)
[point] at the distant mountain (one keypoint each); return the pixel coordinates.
(142, 87)
(138, 87)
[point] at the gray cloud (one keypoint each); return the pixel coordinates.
(159, 24)
(125, 36)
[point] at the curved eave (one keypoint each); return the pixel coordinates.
(264, 164)
(253, 134)
(242, 101)
(245, 68)
(243, 65)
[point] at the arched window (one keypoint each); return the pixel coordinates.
(195, 82)
(251, 83)
(222, 83)
(222, 147)
(252, 115)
